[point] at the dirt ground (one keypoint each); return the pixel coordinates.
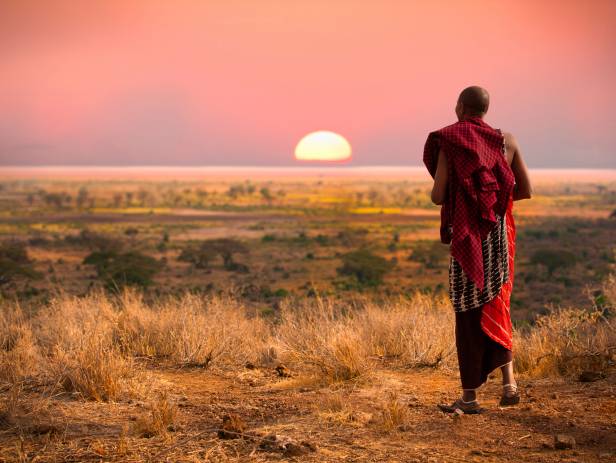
(391, 417)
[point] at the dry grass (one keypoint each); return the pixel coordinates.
(190, 331)
(159, 419)
(344, 340)
(320, 335)
(567, 341)
(91, 346)
(393, 415)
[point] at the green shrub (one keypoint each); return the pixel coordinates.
(553, 259)
(128, 269)
(15, 263)
(367, 268)
(432, 254)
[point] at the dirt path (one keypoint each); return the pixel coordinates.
(392, 417)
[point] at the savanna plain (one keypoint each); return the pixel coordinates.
(206, 315)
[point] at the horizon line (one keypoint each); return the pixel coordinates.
(248, 166)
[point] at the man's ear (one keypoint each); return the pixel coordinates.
(459, 109)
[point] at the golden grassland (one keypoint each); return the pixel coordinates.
(114, 352)
(287, 360)
(297, 226)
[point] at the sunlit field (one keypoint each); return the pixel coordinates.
(230, 314)
(267, 233)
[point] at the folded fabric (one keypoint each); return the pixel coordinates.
(480, 185)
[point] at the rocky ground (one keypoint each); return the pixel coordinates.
(266, 415)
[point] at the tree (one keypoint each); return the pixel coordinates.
(127, 269)
(200, 256)
(367, 268)
(15, 263)
(82, 197)
(117, 200)
(227, 247)
(432, 254)
(266, 194)
(94, 241)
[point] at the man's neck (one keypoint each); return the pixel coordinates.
(471, 116)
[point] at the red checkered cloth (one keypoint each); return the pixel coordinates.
(496, 314)
(480, 186)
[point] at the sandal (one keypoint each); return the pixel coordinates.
(468, 408)
(510, 396)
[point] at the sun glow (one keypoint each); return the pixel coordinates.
(323, 145)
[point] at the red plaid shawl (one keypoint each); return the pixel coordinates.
(480, 186)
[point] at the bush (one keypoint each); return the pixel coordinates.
(128, 269)
(367, 268)
(432, 254)
(201, 255)
(15, 263)
(94, 241)
(553, 259)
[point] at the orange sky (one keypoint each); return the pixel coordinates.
(226, 82)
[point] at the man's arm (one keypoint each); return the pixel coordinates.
(523, 188)
(439, 190)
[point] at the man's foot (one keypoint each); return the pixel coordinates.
(510, 396)
(469, 408)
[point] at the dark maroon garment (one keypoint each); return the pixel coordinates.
(478, 354)
(480, 185)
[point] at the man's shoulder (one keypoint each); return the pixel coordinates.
(452, 128)
(509, 138)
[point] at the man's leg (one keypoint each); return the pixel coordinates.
(510, 387)
(469, 395)
(507, 371)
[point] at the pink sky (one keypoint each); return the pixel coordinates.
(224, 82)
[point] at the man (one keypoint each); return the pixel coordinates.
(478, 172)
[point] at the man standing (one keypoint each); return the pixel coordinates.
(478, 172)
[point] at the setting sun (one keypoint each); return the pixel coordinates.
(323, 145)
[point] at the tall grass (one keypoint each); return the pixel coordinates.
(93, 346)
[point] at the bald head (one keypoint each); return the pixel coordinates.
(473, 101)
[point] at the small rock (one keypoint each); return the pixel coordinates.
(563, 442)
(554, 395)
(269, 442)
(283, 371)
(44, 429)
(361, 417)
(249, 366)
(6, 420)
(310, 445)
(232, 427)
(590, 376)
(404, 428)
(291, 449)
